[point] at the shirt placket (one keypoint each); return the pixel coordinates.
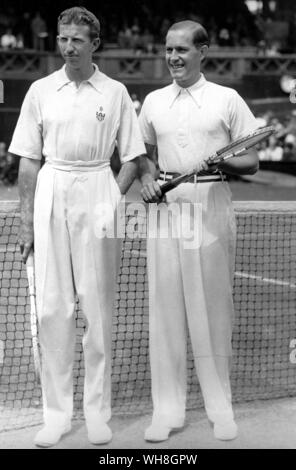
(183, 119)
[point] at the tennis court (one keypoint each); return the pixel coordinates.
(263, 375)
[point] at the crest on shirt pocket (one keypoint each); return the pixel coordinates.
(100, 114)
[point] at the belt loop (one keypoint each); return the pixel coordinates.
(164, 175)
(195, 178)
(222, 176)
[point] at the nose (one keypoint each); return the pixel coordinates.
(69, 47)
(174, 55)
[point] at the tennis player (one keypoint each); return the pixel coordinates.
(73, 118)
(187, 122)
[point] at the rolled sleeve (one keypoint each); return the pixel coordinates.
(27, 138)
(129, 140)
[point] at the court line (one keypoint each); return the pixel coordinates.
(265, 279)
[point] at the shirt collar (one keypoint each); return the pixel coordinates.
(95, 80)
(193, 90)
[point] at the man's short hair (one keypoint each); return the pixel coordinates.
(199, 34)
(80, 15)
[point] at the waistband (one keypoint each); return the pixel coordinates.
(79, 165)
(207, 178)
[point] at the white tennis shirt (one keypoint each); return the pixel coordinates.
(63, 122)
(188, 125)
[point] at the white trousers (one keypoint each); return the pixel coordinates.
(193, 286)
(71, 258)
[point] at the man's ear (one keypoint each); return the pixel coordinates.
(96, 44)
(204, 51)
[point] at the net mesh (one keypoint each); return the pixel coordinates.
(264, 359)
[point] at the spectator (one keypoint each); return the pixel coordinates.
(8, 40)
(288, 133)
(19, 41)
(39, 31)
(136, 39)
(277, 125)
(261, 48)
(136, 102)
(148, 42)
(8, 166)
(272, 152)
(3, 161)
(164, 28)
(124, 39)
(23, 26)
(11, 171)
(224, 37)
(273, 49)
(289, 154)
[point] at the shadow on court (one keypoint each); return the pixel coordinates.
(269, 424)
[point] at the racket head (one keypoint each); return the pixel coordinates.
(33, 315)
(242, 144)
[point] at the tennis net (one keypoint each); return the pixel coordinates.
(264, 339)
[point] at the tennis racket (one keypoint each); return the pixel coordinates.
(33, 315)
(235, 149)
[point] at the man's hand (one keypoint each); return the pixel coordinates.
(204, 167)
(151, 192)
(28, 171)
(26, 240)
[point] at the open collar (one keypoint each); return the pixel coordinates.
(95, 80)
(194, 91)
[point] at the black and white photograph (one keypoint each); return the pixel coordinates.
(147, 228)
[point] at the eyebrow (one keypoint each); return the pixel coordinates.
(69, 36)
(177, 47)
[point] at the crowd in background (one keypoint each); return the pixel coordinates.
(28, 31)
(281, 146)
(8, 166)
(145, 32)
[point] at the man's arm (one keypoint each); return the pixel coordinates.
(127, 175)
(28, 171)
(148, 173)
(141, 166)
(246, 164)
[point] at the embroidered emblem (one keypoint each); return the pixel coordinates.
(100, 115)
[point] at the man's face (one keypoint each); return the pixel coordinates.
(183, 58)
(75, 45)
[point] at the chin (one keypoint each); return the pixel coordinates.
(72, 65)
(176, 75)
(180, 81)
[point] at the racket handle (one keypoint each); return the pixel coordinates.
(30, 272)
(174, 183)
(30, 259)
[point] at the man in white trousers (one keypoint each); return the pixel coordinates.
(74, 118)
(187, 122)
